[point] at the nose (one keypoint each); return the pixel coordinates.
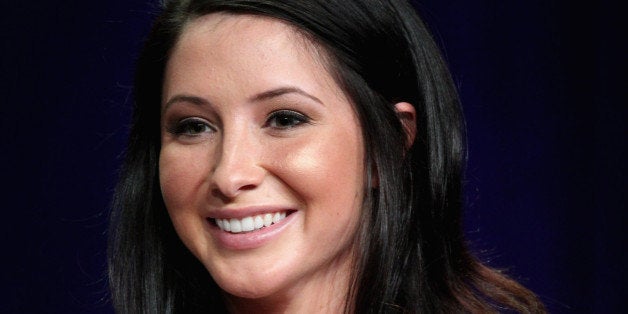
(237, 165)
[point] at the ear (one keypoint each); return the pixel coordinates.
(407, 115)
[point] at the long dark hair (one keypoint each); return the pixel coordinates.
(412, 254)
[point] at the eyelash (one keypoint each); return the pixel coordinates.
(280, 120)
(186, 127)
(293, 118)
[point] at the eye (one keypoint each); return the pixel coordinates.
(286, 119)
(192, 127)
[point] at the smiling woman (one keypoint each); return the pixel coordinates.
(299, 156)
(242, 170)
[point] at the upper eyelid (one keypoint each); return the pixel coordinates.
(216, 126)
(289, 112)
(193, 119)
(183, 107)
(199, 120)
(175, 126)
(292, 113)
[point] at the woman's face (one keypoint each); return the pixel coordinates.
(261, 165)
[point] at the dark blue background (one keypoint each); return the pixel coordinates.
(543, 84)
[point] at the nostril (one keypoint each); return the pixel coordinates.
(220, 195)
(230, 177)
(227, 190)
(247, 187)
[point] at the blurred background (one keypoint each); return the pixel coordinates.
(543, 85)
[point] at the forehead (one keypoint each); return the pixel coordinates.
(250, 51)
(243, 33)
(222, 23)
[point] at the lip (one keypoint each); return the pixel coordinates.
(251, 239)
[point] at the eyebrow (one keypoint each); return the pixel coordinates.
(186, 98)
(277, 92)
(283, 91)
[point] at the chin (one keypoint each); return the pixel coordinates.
(249, 289)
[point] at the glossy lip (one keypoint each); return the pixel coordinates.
(251, 239)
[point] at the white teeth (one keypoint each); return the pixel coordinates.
(268, 220)
(236, 225)
(247, 224)
(259, 222)
(250, 223)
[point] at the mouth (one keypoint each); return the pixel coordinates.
(249, 223)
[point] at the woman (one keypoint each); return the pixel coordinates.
(296, 156)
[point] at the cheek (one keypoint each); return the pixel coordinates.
(330, 180)
(327, 173)
(181, 175)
